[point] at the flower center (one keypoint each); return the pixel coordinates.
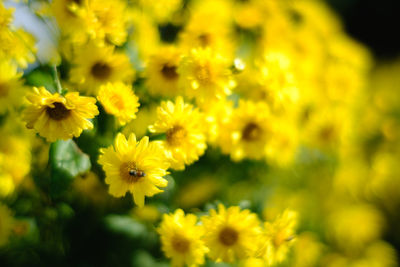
(169, 72)
(101, 70)
(175, 135)
(59, 112)
(204, 39)
(327, 133)
(251, 132)
(3, 90)
(130, 173)
(228, 236)
(180, 244)
(118, 102)
(203, 73)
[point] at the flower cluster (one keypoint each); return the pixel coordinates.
(180, 105)
(226, 235)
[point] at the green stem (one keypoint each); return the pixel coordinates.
(57, 79)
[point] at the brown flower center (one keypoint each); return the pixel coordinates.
(203, 73)
(204, 39)
(175, 135)
(251, 132)
(169, 72)
(3, 90)
(101, 70)
(228, 236)
(130, 173)
(180, 244)
(59, 112)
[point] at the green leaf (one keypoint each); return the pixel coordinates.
(41, 77)
(66, 162)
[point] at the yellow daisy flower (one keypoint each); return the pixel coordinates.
(147, 115)
(96, 65)
(6, 16)
(6, 223)
(231, 234)
(137, 167)
(119, 100)
(55, 116)
(279, 237)
(68, 15)
(185, 132)
(11, 87)
(107, 20)
(205, 75)
(17, 46)
(161, 72)
(181, 239)
(248, 132)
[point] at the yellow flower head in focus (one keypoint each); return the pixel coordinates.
(205, 75)
(161, 72)
(96, 65)
(11, 87)
(185, 132)
(6, 223)
(55, 116)
(279, 237)
(248, 132)
(181, 239)
(119, 100)
(137, 167)
(231, 234)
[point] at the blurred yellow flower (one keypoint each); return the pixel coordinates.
(205, 75)
(181, 239)
(231, 234)
(119, 100)
(55, 116)
(279, 237)
(248, 132)
(95, 65)
(184, 127)
(11, 86)
(161, 72)
(6, 224)
(137, 167)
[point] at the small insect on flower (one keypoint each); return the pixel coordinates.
(55, 116)
(137, 167)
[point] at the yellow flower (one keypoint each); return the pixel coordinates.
(137, 167)
(205, 75)
(147, 115)
(185, 132)
(7, 185)
(68, 15)
(248, 133)
(11, 87)
(18, 46)
(119, 100)
(96, 65)
(161, 72)
(279, 237)
(231, 234)
(15, 159)
(55, 116)
(162, 10)
(6, 16)
(107, 20)
(181, 239)
(6, 223)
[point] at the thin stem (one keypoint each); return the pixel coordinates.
(57, 79)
